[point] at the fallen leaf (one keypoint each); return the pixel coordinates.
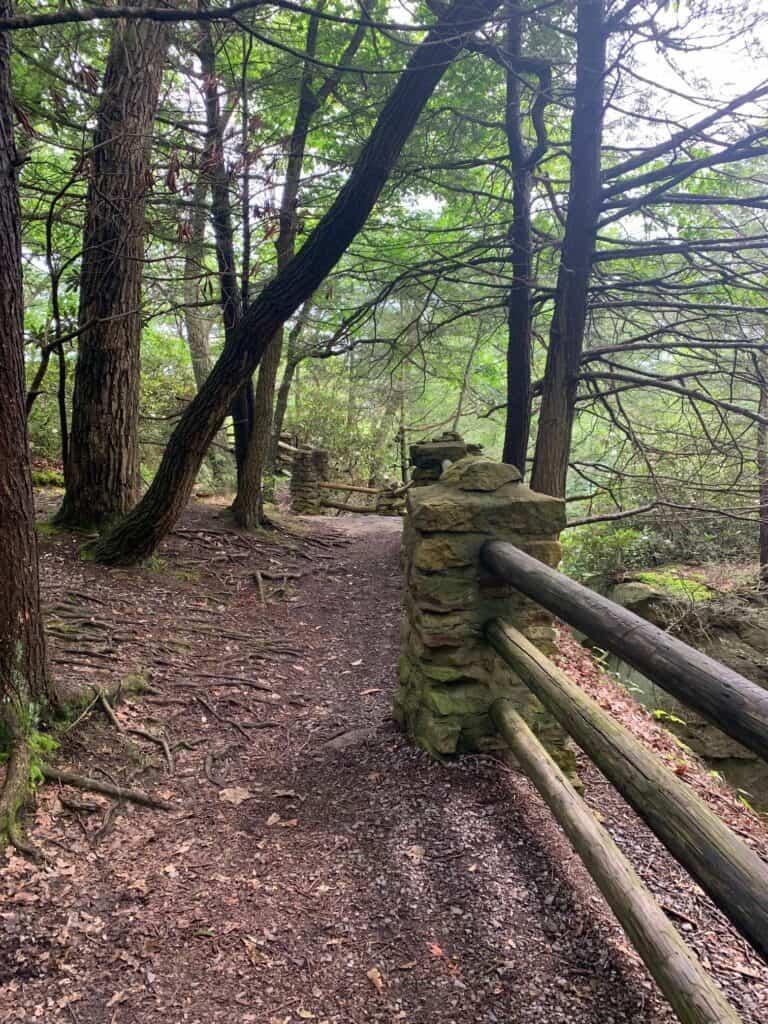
(118, 997)
(354, 664)
(375, 978)
(305, 1015)
(416, 853)
(273, 819)
(235, 795)
(434, 949)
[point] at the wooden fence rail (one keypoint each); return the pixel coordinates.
(727, 869)
(692, 993)
(734, 704)
(733, 875)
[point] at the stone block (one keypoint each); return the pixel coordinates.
(475, 473)
(513, 508)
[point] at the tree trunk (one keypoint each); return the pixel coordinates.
(241, 408)
(761, 365)
(198, 322)
(137, 536)
(518, 420)
(518, 417)
(248, 505)
(102, 470)
(566, 338)
(24, 682)
(292, 360)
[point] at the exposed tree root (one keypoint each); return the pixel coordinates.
(161, 741)
(135, 796)
(13, 794)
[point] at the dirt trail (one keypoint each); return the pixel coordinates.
(316, 867)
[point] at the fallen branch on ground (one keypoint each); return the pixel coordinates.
(135, 796)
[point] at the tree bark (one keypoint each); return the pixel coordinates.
(566, 337)
(102, 470)
(24, 682)
(198, 322)
(517, 425)
(247, 508)
(137, 536)
(293, 357)
(761, 364)
(241, 408)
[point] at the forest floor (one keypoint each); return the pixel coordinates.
(313, 865)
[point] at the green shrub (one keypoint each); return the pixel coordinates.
(605, 550)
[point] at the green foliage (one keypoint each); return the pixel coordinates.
(604, 550)
(685, 588)
(664, 716)
(42, 747)
(47, 478)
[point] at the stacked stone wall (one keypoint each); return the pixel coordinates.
(309, 468)
(449, 676)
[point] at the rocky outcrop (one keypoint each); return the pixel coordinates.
(731, 630)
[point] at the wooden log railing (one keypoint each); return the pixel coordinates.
(693, 994)
(375, 492)
(733, 703)
(731, 873)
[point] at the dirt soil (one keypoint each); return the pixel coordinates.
(314, 866)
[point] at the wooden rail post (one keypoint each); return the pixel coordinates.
(693, 994)
(733, 875)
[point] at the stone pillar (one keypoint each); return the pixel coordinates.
(448, 674)
(310, 467)
(429, 458)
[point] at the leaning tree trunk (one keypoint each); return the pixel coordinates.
(566, 337)
(24, 683)
(102, 470)
(137, 536)
(248, 506)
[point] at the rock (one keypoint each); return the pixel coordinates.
(350, 739)
(512, 512)
(645, 601)
(475, 473)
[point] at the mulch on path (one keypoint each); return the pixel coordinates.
(314, 867)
